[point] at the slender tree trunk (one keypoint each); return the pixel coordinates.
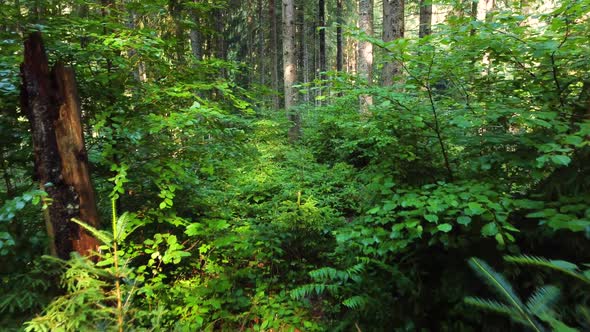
(139, 73)
(175, 8)
(473, 15)
(339, 50)
(393, 28)
(365, 51)
(261, 55)
(425, 18)
(220, 47)
(51, 103)
(304, 49)
(195, 35)
(300, 38)
(290, 68)
(322, 26)
(274, 70)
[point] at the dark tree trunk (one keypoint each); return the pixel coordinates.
(425, 18)
(322, 23)
(339, 50)
(274, 70)
(175, 8)
(195, 35)
(393, 28)
(50, 101)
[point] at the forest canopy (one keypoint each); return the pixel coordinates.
(330, 165)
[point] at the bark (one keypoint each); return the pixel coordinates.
(261, 67)
(220, 46)
(304, 61)
(140, 72)
(339, 50)
(322, 25)
(300, 38)
(195, 35)
(175, 8)
(365, 51)
(425, 18)
(274, 70)
(290, 67)
(393, 28)
(51, 104)
(74, 158)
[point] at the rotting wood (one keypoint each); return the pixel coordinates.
(50, 101)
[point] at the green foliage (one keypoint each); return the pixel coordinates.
(512, 305)
(565, 267)
(479, 148)
(542, 301)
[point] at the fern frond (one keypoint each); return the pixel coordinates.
(310, 289)
(497, 282)
(556, 324)
(503, 287)
(566, 267)
(103, 236)
(355, 302)
(495, 306)
(542, 299)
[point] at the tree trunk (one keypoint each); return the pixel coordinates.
(365, 51)
(274, 70)
(322, 26)
(425, 18)
(260, 56)
(339, 51)
(140, 72)
(195, 35)
(51, 103)
(304, 49)
(290, 67)
(175, 8)
(393, 28)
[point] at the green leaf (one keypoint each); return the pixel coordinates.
(20, 204)
(500, 239)
(490, 229)
(561, 160)
(444, 228)
(464, 220)
(474, 209)
(431, 217)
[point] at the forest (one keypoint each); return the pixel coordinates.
(295, 165)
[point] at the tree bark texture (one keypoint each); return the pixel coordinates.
(393, 28)
(365, 51)
(322, 24)
(274, 70)
(339, 50)
(425, 18)
(290, 67)
(50, 101)
(175, 8)
(195, 35)
(260, 55)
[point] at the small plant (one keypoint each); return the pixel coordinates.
(537, 312)
(98, 294)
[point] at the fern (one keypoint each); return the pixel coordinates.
(542, 299)
(514, 308)
(568, 268)
(494, 306)
(355, 302)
